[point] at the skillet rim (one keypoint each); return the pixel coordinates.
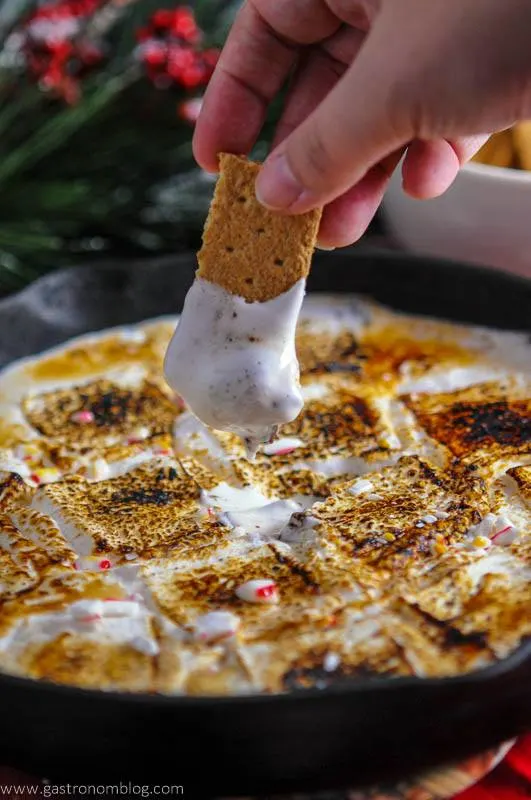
(383, 254)
(492, 672)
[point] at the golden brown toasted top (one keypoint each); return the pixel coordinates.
(92, 414)
(386, 531)
(484, 421)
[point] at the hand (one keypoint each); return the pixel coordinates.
(370, 81)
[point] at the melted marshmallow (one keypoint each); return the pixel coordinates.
(331, 662)
(234, 363)
(497, 528)
(361, 487)
(249, 510)
(216, 625)
(84, 619)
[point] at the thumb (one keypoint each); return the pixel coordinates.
(351, 131)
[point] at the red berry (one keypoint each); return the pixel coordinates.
(184, 25)
(181, 57)
(60, 50)
(155, 55)
(192, 77)
(163, 18)
(105, 564)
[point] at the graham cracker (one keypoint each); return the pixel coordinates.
(247, 249)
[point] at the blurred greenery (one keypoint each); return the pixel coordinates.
(110, 175)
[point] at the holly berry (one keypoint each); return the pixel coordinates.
(169, 50)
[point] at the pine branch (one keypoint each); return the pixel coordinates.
(21, 104)
(60, 128)
(11, 12)
(112, 173)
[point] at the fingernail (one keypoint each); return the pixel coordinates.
(277, 188)
(324, 247)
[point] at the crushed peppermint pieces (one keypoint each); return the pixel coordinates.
(439, 546)
(179, 402)
(29, 453)
(129, 591)
(45, 475)
(498, 529)
(139, 434)
(505, 536)
(282, 447)
(258, 591)
(83, 417)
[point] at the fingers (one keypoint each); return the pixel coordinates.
(430, 168)
(259, 53)
(250, 72)
(346, 219)
(317, 73)
(468, 146)
(350, 132)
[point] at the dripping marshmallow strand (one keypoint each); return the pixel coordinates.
(232, 357)
(234, 363)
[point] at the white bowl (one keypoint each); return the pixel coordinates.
(484, 218)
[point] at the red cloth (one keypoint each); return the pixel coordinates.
(510, 781)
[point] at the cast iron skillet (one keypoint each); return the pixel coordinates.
(351, 735)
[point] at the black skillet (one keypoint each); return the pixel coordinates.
(353, 734)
